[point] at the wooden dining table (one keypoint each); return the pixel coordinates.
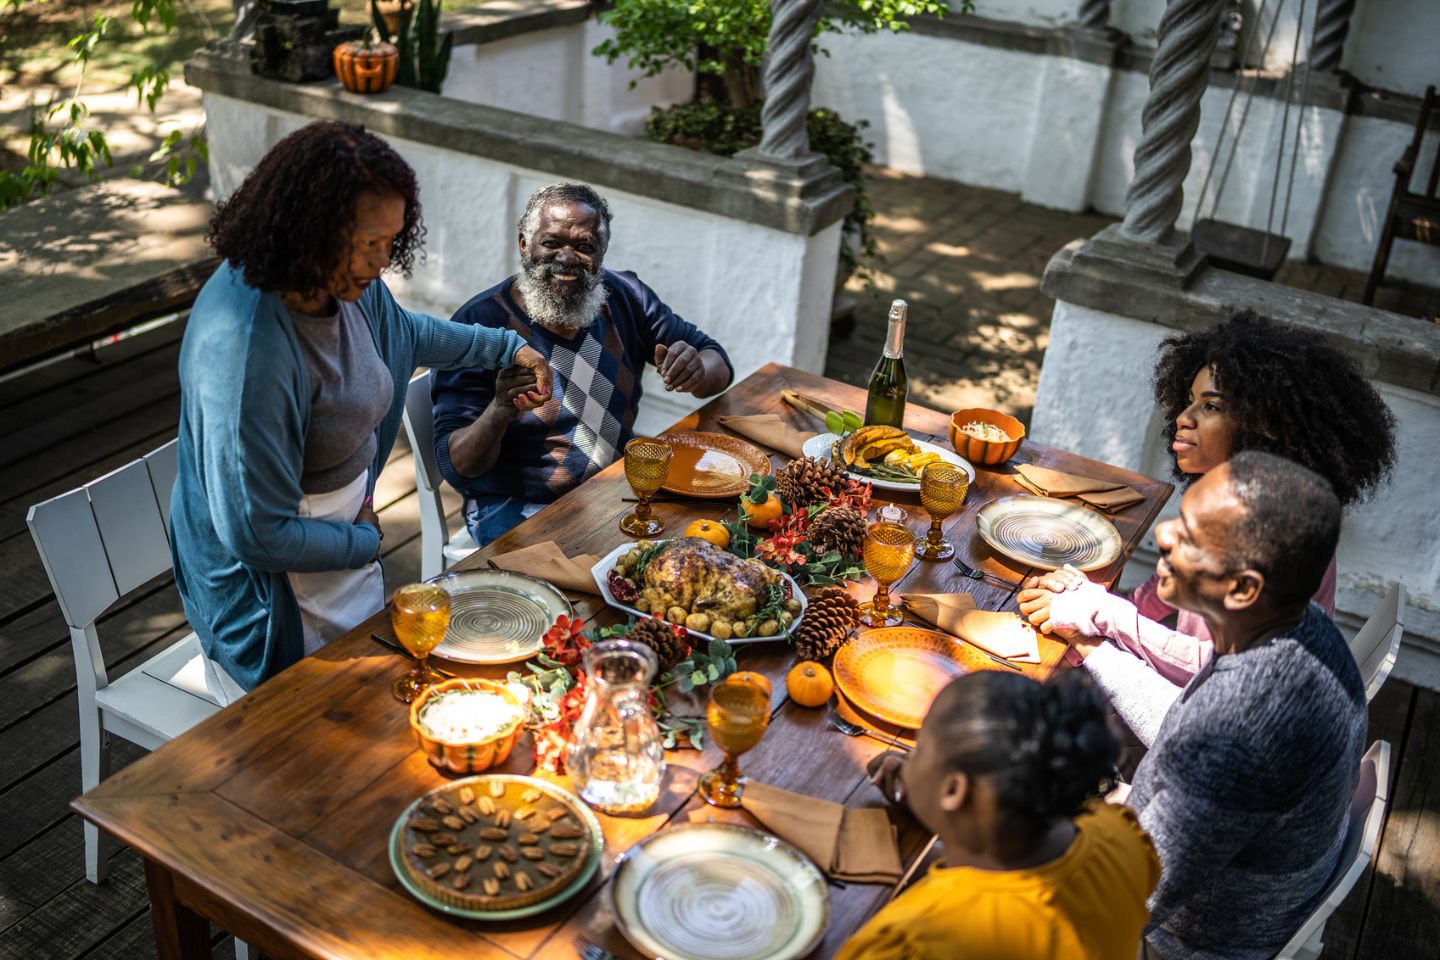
(272, 818)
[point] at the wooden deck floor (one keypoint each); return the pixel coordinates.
(75, 420)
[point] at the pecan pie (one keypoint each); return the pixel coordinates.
(493, 843)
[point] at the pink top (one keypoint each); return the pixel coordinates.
(1177, 655)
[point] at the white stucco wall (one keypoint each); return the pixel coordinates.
(551, 73)
(1391, 538)
(1063, 133)
(763, 293)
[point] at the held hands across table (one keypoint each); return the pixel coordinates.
(526, 385)
(1034, 599)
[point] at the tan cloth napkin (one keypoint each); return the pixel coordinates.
(1003, 634)
(1105, 494)
(856, 845)
(771, 430)
(548, 562)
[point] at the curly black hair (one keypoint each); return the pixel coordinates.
(1289, 394)
(1046, 749)
(288, 226)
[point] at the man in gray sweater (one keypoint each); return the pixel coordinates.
(1247, 786)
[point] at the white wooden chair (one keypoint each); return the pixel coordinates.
(438, 549)
(1362, 839)
(98, 543)
(1376, 645)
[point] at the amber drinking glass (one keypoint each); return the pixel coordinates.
(889, 551)
(738, 713)
(420, 613)
(647, 464)
(942, 491)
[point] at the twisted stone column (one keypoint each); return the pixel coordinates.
(788, 73)
(1094, 14)
(1332, 25)
(1178, 76)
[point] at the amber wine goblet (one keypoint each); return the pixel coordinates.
(420, 613)
(942, 491)
(738, 713)
(889, 551)
(647, 464)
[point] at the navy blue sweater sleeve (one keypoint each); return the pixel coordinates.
(460, 396)
(659, 324)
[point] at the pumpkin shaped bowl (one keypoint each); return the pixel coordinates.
(468, 725)
(1006, 434)
(366, 67)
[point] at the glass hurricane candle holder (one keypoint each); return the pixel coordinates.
(420, 614)
(889, 552)
(942, 491)
(647, 464)
(737, 714)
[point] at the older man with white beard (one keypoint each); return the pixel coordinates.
(597, 328)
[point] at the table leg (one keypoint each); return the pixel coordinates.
(180, 933)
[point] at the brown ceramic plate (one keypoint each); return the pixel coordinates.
(712, 464)
(895, 673)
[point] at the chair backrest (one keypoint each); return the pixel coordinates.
(1376, 646)
(1362, 839)
(102, 540)
(420, 430)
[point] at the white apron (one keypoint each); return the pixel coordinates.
(331, 601)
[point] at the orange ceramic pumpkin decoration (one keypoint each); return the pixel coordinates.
(985, 452)
(366, 69)
(709, 530)
(809, 684)
(759, 515)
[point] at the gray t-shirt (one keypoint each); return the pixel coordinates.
(350, 392)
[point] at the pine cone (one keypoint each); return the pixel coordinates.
(839, 528)
(827, 622)
(668, 641)
(804, 481)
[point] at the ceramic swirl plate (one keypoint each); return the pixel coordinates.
(712, 464)
(1048, 533)
(895, 673)
(497, 616)
(718, 891)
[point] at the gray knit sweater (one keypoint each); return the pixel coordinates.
(1246, 792)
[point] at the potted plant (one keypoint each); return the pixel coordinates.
(424, 52)
(366, 65)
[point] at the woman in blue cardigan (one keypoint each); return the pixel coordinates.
(293, 374)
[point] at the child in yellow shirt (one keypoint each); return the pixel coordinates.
(1007, 772)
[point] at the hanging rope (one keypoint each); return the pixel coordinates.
(1299, 124)
(1284, 124)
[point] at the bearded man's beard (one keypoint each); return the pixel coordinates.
(566, 314)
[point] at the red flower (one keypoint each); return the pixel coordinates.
(564, 642)
(856, 496)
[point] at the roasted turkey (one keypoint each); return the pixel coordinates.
(695, 574)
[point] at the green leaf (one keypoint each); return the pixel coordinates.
(712, 672)
(834, 422)
(698, 678)
(852, 420)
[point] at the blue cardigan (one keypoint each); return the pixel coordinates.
(244, 411)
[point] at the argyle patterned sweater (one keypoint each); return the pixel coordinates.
(596, 376)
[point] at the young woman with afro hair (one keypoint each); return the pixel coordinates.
(293, 373)
(1246, 384)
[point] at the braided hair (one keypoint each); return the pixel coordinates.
(1046, 749)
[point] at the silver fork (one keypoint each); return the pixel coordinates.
(591, 951)
(975, 574)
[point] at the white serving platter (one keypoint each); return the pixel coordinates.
(601, 573)
(820, 447)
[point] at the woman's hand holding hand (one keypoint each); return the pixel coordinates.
(1035, 607)
(531, 361)
(513, 387)
(884, 771)
(1057, 581)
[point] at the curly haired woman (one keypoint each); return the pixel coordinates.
(293, 374)
(1246, 384)
(1007, 771)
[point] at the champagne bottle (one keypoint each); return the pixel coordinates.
(885, 404)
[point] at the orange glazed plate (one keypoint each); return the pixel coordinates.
(895, 673)
(712, 464)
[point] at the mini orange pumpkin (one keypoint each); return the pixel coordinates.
(750, 676)
(809, 684)
(709, 530)
(366, 68)
(759, 515)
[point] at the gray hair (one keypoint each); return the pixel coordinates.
(565, 191)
